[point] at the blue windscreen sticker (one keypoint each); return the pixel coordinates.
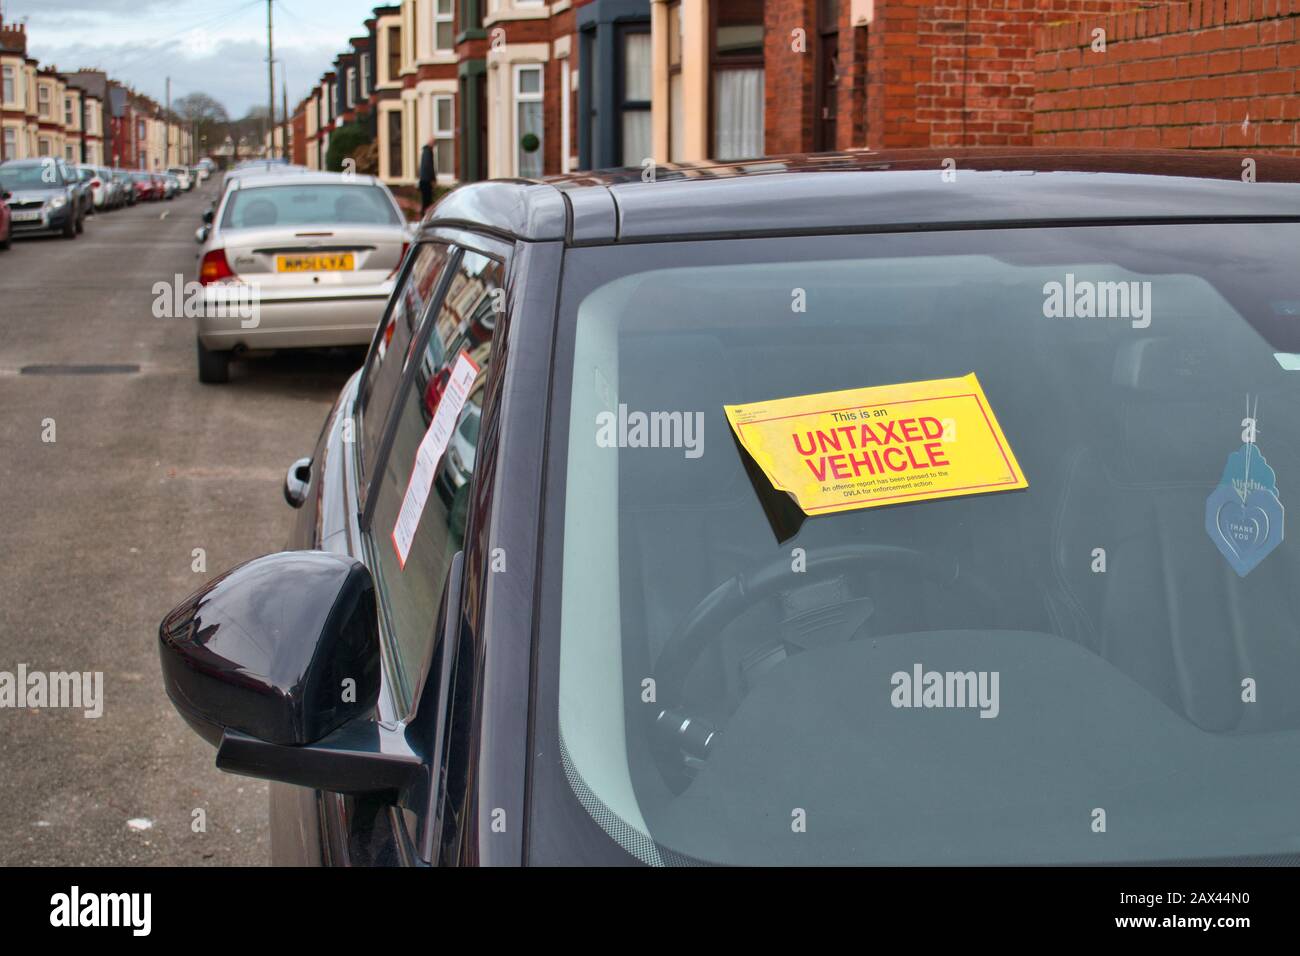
(1244, 516)
(1247, 470)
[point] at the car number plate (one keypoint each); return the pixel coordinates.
(27, 216)
(332, 262)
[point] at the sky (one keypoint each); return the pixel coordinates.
(216, 47)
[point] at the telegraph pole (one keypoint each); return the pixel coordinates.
(270, 79)
(284, 114)
(167, 127)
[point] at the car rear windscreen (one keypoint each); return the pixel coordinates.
(303, 204)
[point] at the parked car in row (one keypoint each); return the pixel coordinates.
(47, 195)
(184, 177)
(625, 643)
(149, 187)
(6, 219)
(319, 250)
(85, 193)
(127, 186)
(106, 188)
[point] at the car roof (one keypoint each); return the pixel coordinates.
(868, 190)
(300, 176)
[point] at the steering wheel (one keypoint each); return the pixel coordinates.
(728, 600)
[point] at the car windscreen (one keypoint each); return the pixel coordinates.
(29, 176)
(304, 204)
(1096, 666)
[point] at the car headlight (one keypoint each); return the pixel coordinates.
(58, 202)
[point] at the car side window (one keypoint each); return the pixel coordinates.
(391, 349)
(451, 368)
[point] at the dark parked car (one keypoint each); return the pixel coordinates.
(86, 192)
(130, 194)
(6, 222)
(611, 635)
(47, 196)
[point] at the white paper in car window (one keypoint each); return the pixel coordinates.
(430, 453)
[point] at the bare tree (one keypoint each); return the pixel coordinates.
(207, 118)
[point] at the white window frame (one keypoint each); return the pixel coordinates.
(448, 17)
(517, 96)
(9, 85)
(365, 75)
(43, 107)
(350, 86)
(440, 133)
(9, 143)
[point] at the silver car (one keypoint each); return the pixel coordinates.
(183, 176)
(297, 261)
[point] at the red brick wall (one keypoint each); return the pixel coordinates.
(959, 72)
(299, 138)
(1185, 74)
(790, 78)
(851, 115)
(788, 75)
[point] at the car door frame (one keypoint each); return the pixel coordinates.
(477, 813)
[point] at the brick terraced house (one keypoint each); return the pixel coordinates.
(527, 88)
(83, 117)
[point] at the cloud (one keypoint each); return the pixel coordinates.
(231, 72)
(220, 51)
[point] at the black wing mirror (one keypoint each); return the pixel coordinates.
(6, 196)
(277, 662)
(208, 216)
(284, 648)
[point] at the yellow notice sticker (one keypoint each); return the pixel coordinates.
(886, 445)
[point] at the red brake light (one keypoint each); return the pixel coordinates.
(214, 267)
(96, 183)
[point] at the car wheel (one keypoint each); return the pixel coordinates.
(81, 223)
(214, 367)
(70, 229)
(8, 240)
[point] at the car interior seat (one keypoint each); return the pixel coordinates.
(260, 212)
(1168, 609)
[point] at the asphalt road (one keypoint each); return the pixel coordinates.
(98, 530)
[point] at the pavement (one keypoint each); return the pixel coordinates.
(99, 530)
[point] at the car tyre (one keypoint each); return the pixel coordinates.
(81, 223)
(8, 240)
(70, 229)
(214, 367)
